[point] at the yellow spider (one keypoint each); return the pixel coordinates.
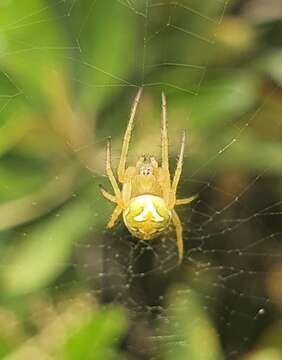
(148, 194)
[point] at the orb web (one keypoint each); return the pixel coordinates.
(61, 95)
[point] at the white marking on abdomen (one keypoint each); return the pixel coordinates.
(148, 207)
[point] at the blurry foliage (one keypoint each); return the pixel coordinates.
(69, 70)
(107, 325)
(189, 324)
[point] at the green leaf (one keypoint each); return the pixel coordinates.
(266, 354)
(17, 180)
(43, 255)
(221, 100)
(5, 347)
(248, 154)
(270, 63)
(193, 336)
(97, 338)
(32, 44)
(47, 246)
(107, 37)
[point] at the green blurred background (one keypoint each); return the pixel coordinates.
(70, 69)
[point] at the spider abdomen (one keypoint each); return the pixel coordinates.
(146, 216)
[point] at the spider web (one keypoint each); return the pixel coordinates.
(232, 233)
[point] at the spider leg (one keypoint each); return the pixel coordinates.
(107, 195)
(186, 200)
(127, 136)
(115, 214)
(178, 171)
(164, 140)
(110, 173)
(178, 228)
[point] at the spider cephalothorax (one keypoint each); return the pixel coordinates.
(148, 194)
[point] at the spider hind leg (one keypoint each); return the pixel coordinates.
(115, 214)
(185, 201)
(178, 228)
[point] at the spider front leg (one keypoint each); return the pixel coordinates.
(177, 173)
(126, 139)
(110, 173)
(164, 136)
(164, 144)
(178, 228)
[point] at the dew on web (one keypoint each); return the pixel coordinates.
(69, 72)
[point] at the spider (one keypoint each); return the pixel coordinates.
(148, 194)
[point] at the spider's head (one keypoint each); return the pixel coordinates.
(146, 169)
(146, 216)
(146, 165)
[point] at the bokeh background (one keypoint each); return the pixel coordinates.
(69, 70)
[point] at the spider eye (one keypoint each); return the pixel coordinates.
(146, 170)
